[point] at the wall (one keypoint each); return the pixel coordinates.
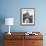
(11, 8)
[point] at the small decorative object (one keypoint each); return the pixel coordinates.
(9, 21)
(30, 33)
(27, 16)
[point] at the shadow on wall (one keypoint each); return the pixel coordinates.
(2, 21)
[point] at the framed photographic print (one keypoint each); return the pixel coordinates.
(27, 16)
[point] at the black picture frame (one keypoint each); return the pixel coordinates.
(27, 16)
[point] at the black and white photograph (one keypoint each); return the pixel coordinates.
(27, 16)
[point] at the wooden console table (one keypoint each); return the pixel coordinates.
(20, 39)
